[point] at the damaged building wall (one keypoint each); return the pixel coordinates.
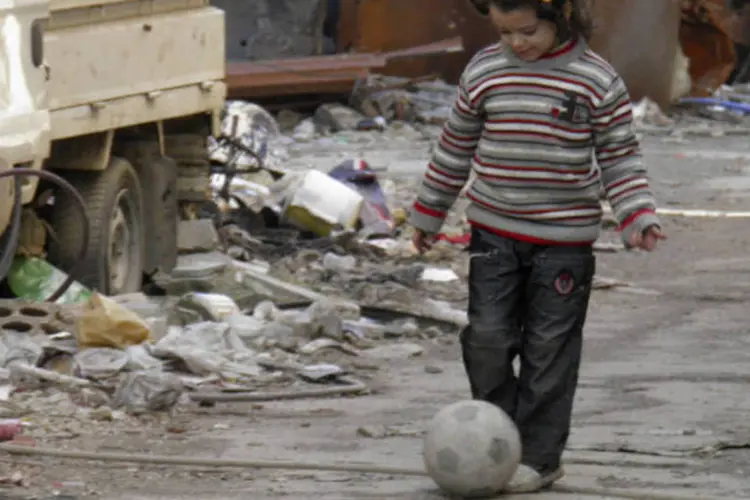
(273, 29)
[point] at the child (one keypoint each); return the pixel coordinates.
(530, 112)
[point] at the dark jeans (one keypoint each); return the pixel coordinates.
(529, 301)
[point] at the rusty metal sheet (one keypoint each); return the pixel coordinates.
(319, 74)
(707, 35)
(310, 75)
(388, 25)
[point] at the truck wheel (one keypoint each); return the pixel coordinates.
(114, 264)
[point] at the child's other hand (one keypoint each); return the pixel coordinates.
(648, 239)
(422, 241)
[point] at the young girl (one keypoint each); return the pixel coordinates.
(531, 113)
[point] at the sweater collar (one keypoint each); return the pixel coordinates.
(561, 56)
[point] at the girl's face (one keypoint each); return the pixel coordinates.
(529, 37)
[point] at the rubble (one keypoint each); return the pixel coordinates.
(198, 235)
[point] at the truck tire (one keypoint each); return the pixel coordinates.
(114, 264)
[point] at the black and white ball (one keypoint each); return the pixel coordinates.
(472, 449)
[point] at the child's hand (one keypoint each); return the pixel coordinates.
(422, 241)
(648, 239)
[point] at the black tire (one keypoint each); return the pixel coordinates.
(115, 206)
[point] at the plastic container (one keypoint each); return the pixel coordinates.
(321, 204)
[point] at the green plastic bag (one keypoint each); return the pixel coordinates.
(36, 280)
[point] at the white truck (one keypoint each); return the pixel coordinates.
(119, 98)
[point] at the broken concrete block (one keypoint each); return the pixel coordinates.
(202, 265)
(337, 117)
(198, 235)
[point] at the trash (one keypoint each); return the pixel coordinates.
(320, 373)
(105, 323)
(318, 203)
(209, 306)
(140, 358)
(377, 123)
(439, 275)
(25, 375)
(247, 194)
(16, 347)
(249, 138)
(100, 363)
(209, 349)
(143, 392)
(375, 216)
(325, 343)
(36, 280)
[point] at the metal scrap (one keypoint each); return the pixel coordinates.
(325, 74)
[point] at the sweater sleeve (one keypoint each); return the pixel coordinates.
(618, 154)
(450, 165)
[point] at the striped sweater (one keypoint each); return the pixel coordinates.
(531, 131)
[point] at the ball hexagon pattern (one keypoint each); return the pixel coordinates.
(471, 449)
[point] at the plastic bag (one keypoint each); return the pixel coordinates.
(105, 323)
(142, 392)
(100, 363)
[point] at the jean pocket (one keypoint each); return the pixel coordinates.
(565, 274)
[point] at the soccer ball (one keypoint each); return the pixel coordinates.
(471, 449)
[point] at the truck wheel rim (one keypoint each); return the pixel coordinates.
(122, 243)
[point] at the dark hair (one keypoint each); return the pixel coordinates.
(571, 17)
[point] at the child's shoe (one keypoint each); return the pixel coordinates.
(527, 480)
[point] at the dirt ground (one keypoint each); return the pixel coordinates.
(661, 409)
